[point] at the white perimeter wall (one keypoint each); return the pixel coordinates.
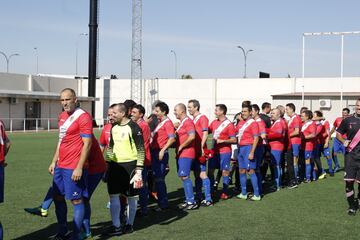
(228, 91)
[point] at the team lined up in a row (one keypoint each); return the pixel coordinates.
(136, 146)
(305, 137)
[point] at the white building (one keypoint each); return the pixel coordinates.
(19, 93)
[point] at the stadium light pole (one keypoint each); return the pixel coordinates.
(303, 73)
(37, 60)
(7, 58)
(175, 59)
(77, 51)
(342, 34)
(245, 57)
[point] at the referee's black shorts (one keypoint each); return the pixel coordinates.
(118, 179)
(352, 167)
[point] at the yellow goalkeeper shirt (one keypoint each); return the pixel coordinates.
(127, 143)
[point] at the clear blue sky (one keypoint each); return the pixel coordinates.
(204, 34)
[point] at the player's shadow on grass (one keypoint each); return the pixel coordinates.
(42, 234)
(163, 218)
(166, 217)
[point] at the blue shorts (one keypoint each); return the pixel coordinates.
(317, 151)
(295, 149)
(308, 154)
(276, 157)
(159, 167)
(259, 155)
(63, 184)
(220, 161)
(243, 158)
(184, 167)
(92, 182)
(198, 167)
(338, 147)
(2, 182)
(325, 151)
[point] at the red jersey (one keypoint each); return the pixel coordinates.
(337, 123)
(276, 135)
(247, 131)
(3, 140)
(96, 159)
(146, 136)
(262, 130)
(201, 123)
(294, 122)
(227, 132)
(285, 126)
(323, 131)
(72, 128)
(319, 129)
(185, 129)
(307, 129)
(104, 139)
(163, 131)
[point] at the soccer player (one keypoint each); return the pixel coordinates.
(275, 137)
(162, 138)
(125, 156)
(201, 123)
(337, 146)
(294, 125)
(4, 149)
(322, 143)
(104, 139)
(264, 115)
(185, 153)
(223, 134)
(285, 139)
(350, 127)
(129, 103)
(69, 166)
(248, 137)
(308, 134)
(137, 115)
(260, 148)
(234, 157)
(153, 121)
(96, 171)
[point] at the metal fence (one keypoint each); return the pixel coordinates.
(37, 124)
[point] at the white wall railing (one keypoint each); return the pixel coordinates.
(37, 124)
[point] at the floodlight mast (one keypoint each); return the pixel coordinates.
(136, 53)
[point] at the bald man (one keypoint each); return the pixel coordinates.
(276, 137)
(185, 153)
(68, 165)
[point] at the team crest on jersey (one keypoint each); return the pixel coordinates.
(122, 135)
(75, 194)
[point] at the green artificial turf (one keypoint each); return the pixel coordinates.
(312, 211)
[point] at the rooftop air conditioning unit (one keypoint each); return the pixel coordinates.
(13, 100)
(325, 103)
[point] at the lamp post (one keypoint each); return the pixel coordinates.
(175, 57)
(7, 58)
(77, 51)
(245, 57)
(37, 60)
